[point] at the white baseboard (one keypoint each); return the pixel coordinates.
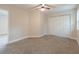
(43, 34)
(17, 40)
(38, 36)
(33, 36)
(24, 38)
(73, 38)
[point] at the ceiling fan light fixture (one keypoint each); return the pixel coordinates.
(42, 9)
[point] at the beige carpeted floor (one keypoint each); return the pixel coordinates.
(43, 45)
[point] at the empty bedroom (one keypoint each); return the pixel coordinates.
(39, 29)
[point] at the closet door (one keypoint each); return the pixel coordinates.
(59, 25)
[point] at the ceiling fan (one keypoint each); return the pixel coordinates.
(43, 7)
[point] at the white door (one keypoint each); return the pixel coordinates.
(59, 25)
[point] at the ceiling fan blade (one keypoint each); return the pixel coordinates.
(39, 6)
(36, 6)
(50, 5)
(48, 8)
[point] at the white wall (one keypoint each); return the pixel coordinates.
(18, 22)
(36, 23)
(44, 25)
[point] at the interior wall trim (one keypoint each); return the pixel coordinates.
(25, 37)
(13, 41)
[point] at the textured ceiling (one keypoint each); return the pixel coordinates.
(62, 8)
(26, 6)
(54, 8)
